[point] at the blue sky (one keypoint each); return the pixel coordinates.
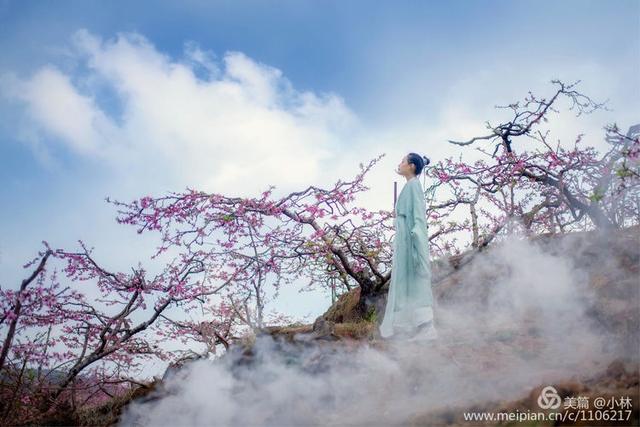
(363, 78)
(331, 45)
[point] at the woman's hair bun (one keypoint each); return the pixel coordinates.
(418, 161)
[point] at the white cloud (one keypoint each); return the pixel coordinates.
(182, 129)
(208, 123)
(57, 107)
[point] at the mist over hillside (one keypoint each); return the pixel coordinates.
(528, 313)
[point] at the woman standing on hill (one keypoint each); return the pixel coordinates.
(409, 306)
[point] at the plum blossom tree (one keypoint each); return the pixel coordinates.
(535, 186)
(101, 338)
(311, 234)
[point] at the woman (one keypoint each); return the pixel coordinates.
(410, 301)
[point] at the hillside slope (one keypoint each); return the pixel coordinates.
(552, 310)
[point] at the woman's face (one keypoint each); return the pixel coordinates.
(405, 168)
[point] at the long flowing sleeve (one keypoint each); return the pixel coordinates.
(409, 300)
(419, 230)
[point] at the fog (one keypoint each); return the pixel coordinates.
(516, 318)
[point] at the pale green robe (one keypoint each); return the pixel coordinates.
(410, 300)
